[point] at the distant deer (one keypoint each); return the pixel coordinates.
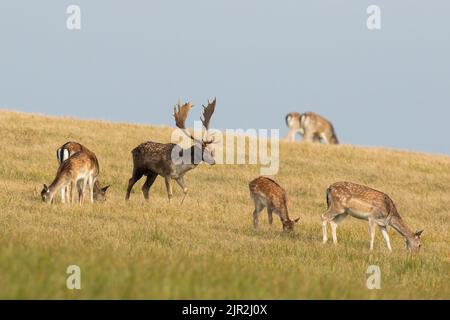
(152, 159)
(266, 193)
(313, 128)
(347, 198)
(79, 170)
(66, 151)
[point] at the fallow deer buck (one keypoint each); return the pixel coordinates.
(152, 159)
(313, 128)
(78, 171)
(266, 193)
(347, 198)
(67, 150)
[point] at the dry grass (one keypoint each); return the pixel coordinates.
(207, 248)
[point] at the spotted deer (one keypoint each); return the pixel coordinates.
(66, 151)
(347, 198)
(151, 159)
(80, 171)
(313, 128)
(266, 193)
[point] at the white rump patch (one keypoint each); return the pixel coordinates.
(62, 155)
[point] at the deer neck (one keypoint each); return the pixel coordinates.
(185, 167)
(59, 181)
(186, 163)
(195, 157)
(399, 225)
(284, 216)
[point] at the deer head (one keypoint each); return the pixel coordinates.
(200, 146)
(99, 192)
(413, 243)
(288, 226)
(45, 194)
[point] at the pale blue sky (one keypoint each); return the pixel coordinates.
(132, 60)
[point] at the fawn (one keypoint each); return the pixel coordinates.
(266, 193)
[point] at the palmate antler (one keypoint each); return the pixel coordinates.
(207, 113)
(180, 114)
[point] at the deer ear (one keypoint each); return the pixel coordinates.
(105, 188)
(45, 187)
(296, 220)
(418, 233)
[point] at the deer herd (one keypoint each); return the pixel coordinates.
(79, 168)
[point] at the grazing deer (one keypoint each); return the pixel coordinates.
(347, 198)
(152, 159)
(313, 128)
(66, 151)
(266, 193)
(78, 170)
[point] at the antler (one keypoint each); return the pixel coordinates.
(180, 116)
(182, 112)
(207, 113)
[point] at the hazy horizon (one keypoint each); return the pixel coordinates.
(132, 61)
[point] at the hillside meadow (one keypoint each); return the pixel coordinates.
(207, 248)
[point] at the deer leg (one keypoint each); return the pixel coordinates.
(270, 215)
(63, 195)
(168, 187)
(72, 194)
(67, 192)
(316, 138)
(334, 224)
(258, 209)
(135, 178)
(386, 237)
(372, 229)
(309, 136)
(291, 135)
(151, 177)
(180, 182)
(324, 231)
(328, 216)
(79, 192)
(91, 187)
(83, 190)
(85, 184)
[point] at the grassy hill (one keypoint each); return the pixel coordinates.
(207, 248)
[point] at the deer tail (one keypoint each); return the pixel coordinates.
(328, 198)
